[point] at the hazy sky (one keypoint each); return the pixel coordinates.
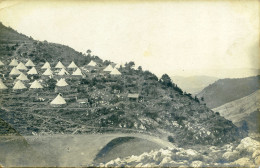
(161, 36)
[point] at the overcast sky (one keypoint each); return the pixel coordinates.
(161, 36)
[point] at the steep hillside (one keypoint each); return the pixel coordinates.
(244, 109)
(193, 84)
(100, 102)
(227, 90)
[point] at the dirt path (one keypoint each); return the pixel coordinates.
(80, 150)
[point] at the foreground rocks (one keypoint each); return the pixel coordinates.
(245, 154)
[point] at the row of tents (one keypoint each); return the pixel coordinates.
(59, 100)
(19, 68)
(48, 72)
(18, 85)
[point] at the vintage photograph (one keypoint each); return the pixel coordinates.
(113, 83)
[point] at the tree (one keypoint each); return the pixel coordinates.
(88, 52)
(166, 80)
(131, 64)
(196, 99)
(244, 126)
(140, 68)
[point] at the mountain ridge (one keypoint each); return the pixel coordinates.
(229, 89)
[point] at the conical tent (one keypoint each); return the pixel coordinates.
(19, 85)
(62, 83)
(32, 71)
(77, 72)
(36, 85)
(63, 72)
(46, 66)
(1, 63)
(92, 63)
(15, 71)
(48, 72)
(2, 85)
(22, 77)
(59, 65)
(29, 63)
(109, 68)
(21, 66)
(115, 72)
(72, 65)
(13, 62)
(58, 100)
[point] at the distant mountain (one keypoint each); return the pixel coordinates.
(227, 90)
(220, 73)
(135, 101)
(193, 84)
(243, 110)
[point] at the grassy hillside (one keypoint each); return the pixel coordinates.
(244, 109)
(193, 84)
(227, 90)
(162, 108)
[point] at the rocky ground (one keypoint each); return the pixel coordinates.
(245, 154)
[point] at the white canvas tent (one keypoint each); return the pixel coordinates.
(77, 72)
(32, 71)
(59, 65)
(21, 66)
(13, 62)
(59, 100)
(2, 85)
(19, 85)
(29, 63)
(72, 65)
(109, 68)
(61, 83)
(22, 77)
(115, 72)
(15, 71)
(46, 65)
(92, 63)
(36, 85)
(63, 72)
(48, 72)
(1, 63)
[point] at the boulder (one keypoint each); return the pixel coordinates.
(191, 152)
(110, 164)
(165, 152)
(166, 162)
(231, 156)
(139, 165)
(196, 164)
(244, 162)
(248, 145)
(256, 153)
(257, 160)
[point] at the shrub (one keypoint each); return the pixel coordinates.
(170, 139)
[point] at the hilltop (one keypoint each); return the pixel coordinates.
(227, 90)
(160, 107)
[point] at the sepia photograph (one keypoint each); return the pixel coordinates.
(129, 83)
